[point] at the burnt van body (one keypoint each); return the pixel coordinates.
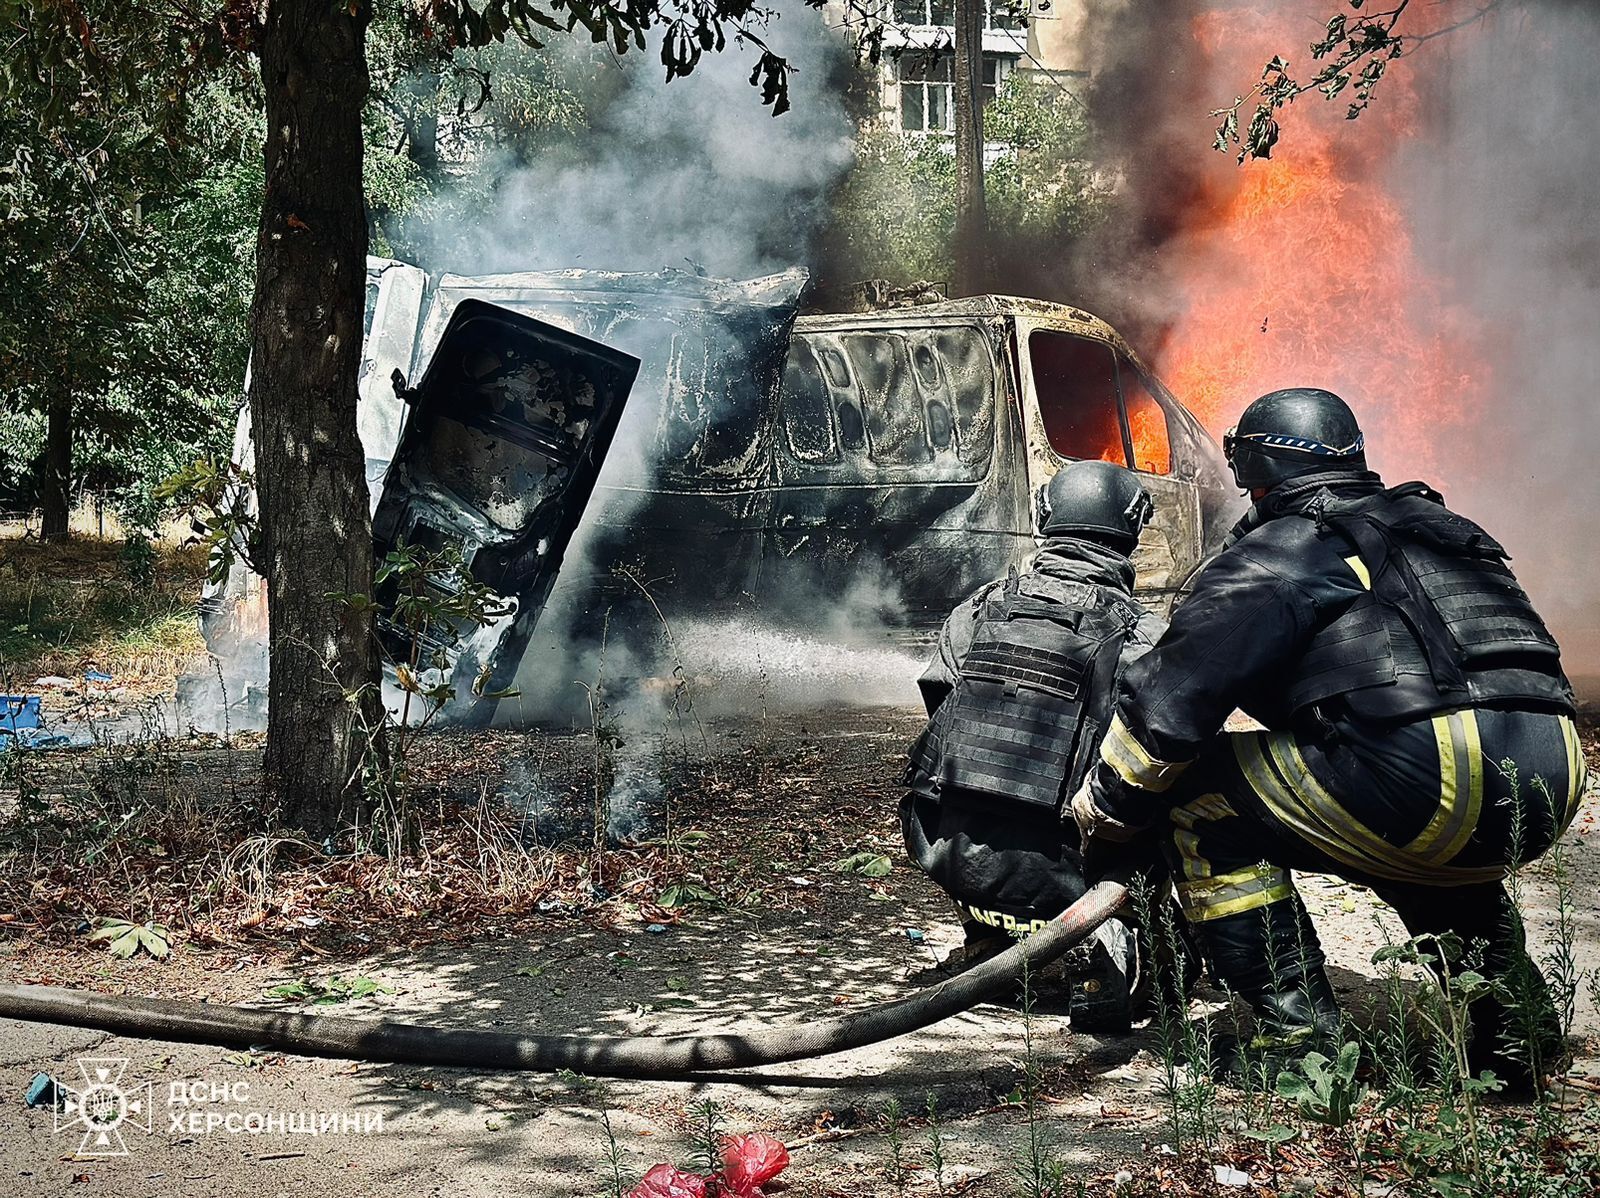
(887, 460)
(913, 441)
(776, 462)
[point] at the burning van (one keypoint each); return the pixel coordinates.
(772, 461)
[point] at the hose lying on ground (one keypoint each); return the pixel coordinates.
(657, 1057)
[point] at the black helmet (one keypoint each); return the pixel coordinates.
(1299, 430)
(1098, 500)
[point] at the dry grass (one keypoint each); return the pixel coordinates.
(67, 607)
(171, 831)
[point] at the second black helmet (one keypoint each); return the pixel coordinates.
(1098, 500)
(1299, 430)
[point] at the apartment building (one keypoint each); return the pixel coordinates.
(916, 76)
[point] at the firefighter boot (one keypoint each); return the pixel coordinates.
(1272, 959)
(1516, 1030)
(1103, 974)
(1307, 1014)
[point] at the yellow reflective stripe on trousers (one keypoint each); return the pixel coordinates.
(1460, 788)
(1133, 763)
(1230, 893)
(1299, 802)
(1187, 840)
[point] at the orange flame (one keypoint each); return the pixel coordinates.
(1301, 270)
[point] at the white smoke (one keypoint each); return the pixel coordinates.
(1505, 183)
(696, 171)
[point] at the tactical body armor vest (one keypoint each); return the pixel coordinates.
(1034, 696)
(1443, 624)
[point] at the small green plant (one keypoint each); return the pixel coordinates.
(325, 992)
(1326, 1091)
(126, 938)
(138, 559)
(582, 1085)
(221, 498)
(682, 894)
(936, 1161)
(1444, 1012)
(613, 1157)
(425, 603)
(1036, 1168)
(868, 865)
(1184, 1045)
(893, 1119)
(706, 1138)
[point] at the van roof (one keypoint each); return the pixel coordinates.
(1065, 316)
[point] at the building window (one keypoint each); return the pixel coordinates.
(997, 14)
(927, 88)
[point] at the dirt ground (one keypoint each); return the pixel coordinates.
(790, 938)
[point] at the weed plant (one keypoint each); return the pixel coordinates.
(1397, 1103)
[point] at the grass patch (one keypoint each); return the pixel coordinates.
(65, 607)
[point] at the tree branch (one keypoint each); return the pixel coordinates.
(1358, 49)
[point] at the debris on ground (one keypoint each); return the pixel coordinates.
(43, 1091)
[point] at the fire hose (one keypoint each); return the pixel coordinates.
(645, 1057)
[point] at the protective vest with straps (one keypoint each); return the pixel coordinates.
(1443, 622)
(1034, 695)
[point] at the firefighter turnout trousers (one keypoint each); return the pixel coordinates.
(1431, 815)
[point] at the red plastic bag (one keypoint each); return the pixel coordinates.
(667, 1181)
(751, 1161)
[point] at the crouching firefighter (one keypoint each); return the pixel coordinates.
(1419, 733)
(1019, 692)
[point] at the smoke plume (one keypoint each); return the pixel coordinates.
(692, 172)
(1434, 261)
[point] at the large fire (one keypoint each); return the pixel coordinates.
(1301, 270)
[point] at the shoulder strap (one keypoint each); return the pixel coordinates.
(1369, 525)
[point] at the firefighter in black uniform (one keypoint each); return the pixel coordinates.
(1419, 738)
(1019, 693)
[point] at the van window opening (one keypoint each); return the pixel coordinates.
(1078, 382)
(1147, 422)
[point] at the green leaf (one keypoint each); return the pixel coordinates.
(1295, 1088)
(126, 945)
(127, 938)
(681, 894)
(1349, 1060)
(152, 941)
(869, 865)
(328, 991)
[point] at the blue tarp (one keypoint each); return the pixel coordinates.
(21, 725)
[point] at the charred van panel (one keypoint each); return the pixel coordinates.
(895, 464)
(686, 498)
(504, 440)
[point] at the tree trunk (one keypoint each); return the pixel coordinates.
(306, 325)
(55, 484)
(972, 232)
